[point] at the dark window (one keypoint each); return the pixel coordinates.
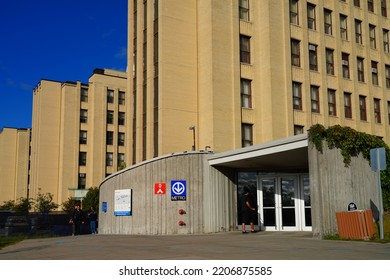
(297, 95)
(245, 51)
(356, 3)
(298, 129)
(384, 8)
(83, 137)
(109, 159)
(247, 135)
(122, 97)
(246, 93)
(329, 62)
(244, 9)
(374, 70)
(372, 36)
(121, 139)
(82, 158)
(345, 63)
(121, 118)
(295, 53)
(82, 181)
(363, 108)
(311, 16)
(347, 105)
(84, 95)
(377, 110)
(387, 73)
(83, 116)
(370, 5)
(358, 32)
(110, 96)
(343, 27)
(109, 137)
(315, 99)
(313, 57)
(360, 69)
(328, 21)
(294, 12)
(332, 102)
(110, 117)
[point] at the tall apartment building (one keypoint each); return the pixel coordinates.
(242, 72)
(14, 163)
(78, 133)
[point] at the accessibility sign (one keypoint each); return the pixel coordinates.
(178, 190)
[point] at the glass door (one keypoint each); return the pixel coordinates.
(287, 205)
(283, 200)
(278, 197)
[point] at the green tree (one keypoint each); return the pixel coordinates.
(7, 205)
(44, 203)
(23, 205)
(91, 199)
(68, 205)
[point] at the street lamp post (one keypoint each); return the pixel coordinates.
(192, 127)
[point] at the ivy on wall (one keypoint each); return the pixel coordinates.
(352, 143)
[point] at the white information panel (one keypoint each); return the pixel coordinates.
(122, 205)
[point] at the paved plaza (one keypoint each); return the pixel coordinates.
(221, 246)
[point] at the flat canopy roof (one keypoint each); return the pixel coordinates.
(288, 154)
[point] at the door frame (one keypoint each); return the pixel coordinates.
(299, 203)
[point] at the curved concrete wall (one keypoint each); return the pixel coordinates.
(209, 206)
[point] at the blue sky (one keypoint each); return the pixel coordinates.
(61, 40)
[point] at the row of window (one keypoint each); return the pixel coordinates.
(110, 96)
(345, 61)
(245, 84)
(109, 117)
(109, 138)
(109, 159)
(332, 106)
(311, 13)
(328, 28)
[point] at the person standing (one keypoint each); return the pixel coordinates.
(77, 219)
(92, 215)
(248, 210)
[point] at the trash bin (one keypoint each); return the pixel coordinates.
(355, 224)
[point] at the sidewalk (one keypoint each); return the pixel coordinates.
(221, 246)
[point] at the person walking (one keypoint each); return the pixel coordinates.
(248, 210)
(77, 219)
(92, 215)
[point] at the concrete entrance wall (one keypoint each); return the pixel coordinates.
(333, 186)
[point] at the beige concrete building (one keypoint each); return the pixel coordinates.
(243, 72)
(14, 163)
(79, 133)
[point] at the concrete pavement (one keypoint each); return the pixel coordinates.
(221, 246)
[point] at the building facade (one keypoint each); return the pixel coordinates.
(244, 72)
(78, 133)
(14, 163)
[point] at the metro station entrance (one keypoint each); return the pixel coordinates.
(283, 200)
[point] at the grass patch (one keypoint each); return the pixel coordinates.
(9, 240)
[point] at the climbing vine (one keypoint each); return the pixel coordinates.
(352, 143)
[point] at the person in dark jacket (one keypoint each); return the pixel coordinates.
(248, 210)
(77, 219)
(92, 215)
